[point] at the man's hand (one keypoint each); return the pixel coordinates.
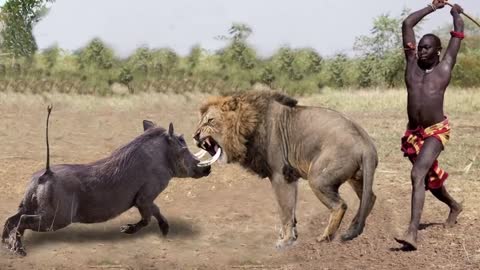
(456, 9)
(439, 3)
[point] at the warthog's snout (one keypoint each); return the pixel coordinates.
(202, 171)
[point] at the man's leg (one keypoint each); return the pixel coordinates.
(429, 153)
(455, 207)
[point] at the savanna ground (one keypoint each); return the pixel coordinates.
(229, 220)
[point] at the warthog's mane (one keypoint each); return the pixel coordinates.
(114, 167)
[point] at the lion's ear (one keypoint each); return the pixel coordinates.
(230, 104)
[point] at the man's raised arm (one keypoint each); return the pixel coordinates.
(407, 26)
(457, 35)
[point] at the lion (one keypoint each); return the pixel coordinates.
(268, 133)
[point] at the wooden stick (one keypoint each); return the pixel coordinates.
(466, 15)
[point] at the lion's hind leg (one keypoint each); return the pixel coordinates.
(357, 225)
(325, 186)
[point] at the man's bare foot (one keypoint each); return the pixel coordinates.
(409, 242)
(452, 217)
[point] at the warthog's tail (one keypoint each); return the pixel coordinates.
(368, 198)
(47, 169)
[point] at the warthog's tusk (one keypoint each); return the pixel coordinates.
(212, 160)
(200, 154)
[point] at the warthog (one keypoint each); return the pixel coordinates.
(133, 175)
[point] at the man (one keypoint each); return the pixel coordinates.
(427, 78)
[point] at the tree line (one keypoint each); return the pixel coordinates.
(378, 61)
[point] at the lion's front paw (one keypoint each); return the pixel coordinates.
(325, 238)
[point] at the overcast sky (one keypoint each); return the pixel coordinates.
(329, 26)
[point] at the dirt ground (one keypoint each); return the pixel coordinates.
(229, 219)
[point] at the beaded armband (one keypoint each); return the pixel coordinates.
(459, 35)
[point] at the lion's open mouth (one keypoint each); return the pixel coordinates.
(208, 145)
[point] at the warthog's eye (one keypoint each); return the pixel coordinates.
(181, 139)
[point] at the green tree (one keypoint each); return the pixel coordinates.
(267, 76)
(287, 63)
(393, 68)
(383, 48)
(19, 17)
(365, 68)
(96, 54)
(194, 58)
(314, 61)
(337, 69)
(170, 60)
(165, 61)
(384, 37)
(296, 64)
(285, 58)
(238, 51)
(125, 77)
(465, 73)
(51, 55)
(141, 60)
(239, 32)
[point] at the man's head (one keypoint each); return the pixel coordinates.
(429, 49)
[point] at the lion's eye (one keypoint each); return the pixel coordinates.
(210, 120)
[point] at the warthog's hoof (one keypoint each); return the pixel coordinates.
(4, 239)
(19, 251)
(128, 229)
(6, 244)
(15, 245)
(11, 242)
(165, 228)
(285, 243)
(408, 242)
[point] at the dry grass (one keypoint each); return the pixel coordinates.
(374, 100)
(461, 106)
(241, 211)
(392, 100)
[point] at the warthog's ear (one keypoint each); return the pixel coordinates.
(147, 124)
(230, 104)
(170, 129)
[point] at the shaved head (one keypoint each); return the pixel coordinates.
(434, 38)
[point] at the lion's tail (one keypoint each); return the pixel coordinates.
(368, 197)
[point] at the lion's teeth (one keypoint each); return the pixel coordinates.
(208, 142)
